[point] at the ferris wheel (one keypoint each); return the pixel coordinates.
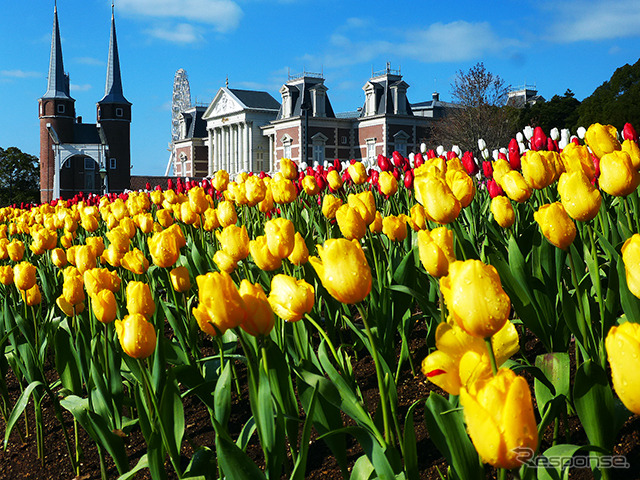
(180, 101)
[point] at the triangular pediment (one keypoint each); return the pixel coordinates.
(223, 104)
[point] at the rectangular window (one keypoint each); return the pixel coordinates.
(287, 150)
(371, 150)
(89, 181)
(119, 112)
(89, 164)
(318, 153)
(344, 140)
(401, 148)
(112, 163)
(60, 108)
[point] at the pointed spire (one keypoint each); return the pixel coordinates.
(58, 81)
(113, 86)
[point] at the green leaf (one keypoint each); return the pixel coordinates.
(172, 414)
(222, 396)
(233, 461)
(18, 408)
(362, 469)
(556, 368)
(410, 446)
(594, 402)
(141, 465)
(67, 362)
(447, 431)
(559, 454)
(301, 462)
(202, 464)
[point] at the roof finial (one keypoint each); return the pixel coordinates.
(226, 82)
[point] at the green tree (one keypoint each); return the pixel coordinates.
(615, 102)
(481, 96)
(19, 177)
(559, 112)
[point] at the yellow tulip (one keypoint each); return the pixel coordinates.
(350, 222)
(310, 185)
(334, 180)
(220, 303)
(73, 289)
(58, 257)
(283, 191)
(187, 215)
(96, 244)
(631, 259)
(300, 252)
(220, 180)
(163, 248)
(156, 197)
(104, 307)
(119, 238)
(262, 256)
(623, 349)
(68, 309)
(618, 177)
(139, 299)
(234, 241)
(24, 275)
(499, 414)
(288, 168)
(445, 367)
(84, 258)
(500, 168)
(395, 228)
(224, 261)
(537, 171)
(461, 185)
(475, 298)
(290, 298)
(180, 279)
(15, 249)
(256, 190)
(198, 200)
(419, 217)
(580, 198)
(556, 225)
(280, 233)
(357, 172)
(436, 197)
(137, 336)
(135, 261)
(330, 205)
(226, 213)
(631, 147)
(210, 220)
(343, 270)
(577, 157)
(502, 211)
(32, 296)
(388, 183)
(164, 217)
(259, 319)
(375, 227)
(365, 203)
(515, 186)
(602, 139)
(98, 279)
(266, 205)
(6, 274)
(435, 248)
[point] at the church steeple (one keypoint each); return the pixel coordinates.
(58, 81)
(113, 87)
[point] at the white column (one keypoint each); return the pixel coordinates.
(270, 157)
(227, 149)
(245, 148)
(210, 155)
(250, 144)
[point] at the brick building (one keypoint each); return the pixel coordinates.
(77, 156)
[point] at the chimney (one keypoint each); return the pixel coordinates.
(435, 96)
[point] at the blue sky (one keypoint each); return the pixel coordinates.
(557, 46)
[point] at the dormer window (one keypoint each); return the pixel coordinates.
(318, 99)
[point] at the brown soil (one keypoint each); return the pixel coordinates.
(20, 461)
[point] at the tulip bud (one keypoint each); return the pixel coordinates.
(502, 211)
(137, 336)
(436, 250)
(290, 298)
(259, 319)
(623, 349)
(556, 225)
(24, 275)
(629, 133)
(104, 307)
(180, 279)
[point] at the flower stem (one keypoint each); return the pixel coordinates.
(386, 417)
(492, 356)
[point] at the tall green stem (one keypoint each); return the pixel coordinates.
(384, 402)
(492, 356)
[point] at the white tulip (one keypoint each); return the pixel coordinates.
(581, 132)
(554, 134)
(528, 132)
(423, 148)
(519, 137)
(481, 144)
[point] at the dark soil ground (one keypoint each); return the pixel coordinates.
(19, 460)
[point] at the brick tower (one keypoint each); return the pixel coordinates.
(114, 118)
(56, 112)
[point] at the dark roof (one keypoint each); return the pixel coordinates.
(196, 127)
(86, 133)
(113, 86)
(58, 81)
(384, 95)
(301, 96)
(254, 99)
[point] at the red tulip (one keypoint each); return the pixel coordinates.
(451, 154)
(487, 169)
(384, 163)
(539, 139)
(398, 159)
(494, 189)
(418, 159)
(408, 179)
(337, 165)
(469, 163)
(552, 145)
(373, 177)
(629, 133)
(431, 154)
(170, 184)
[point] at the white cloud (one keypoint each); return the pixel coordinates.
(19, 74)
(457, 41)
(181, 33)
(225, 15)
(595, 20)
(80, 88)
